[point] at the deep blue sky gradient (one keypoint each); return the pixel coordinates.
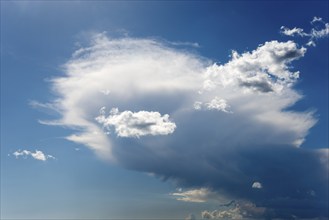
(37, 37)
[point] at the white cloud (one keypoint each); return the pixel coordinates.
(197, 145)
(313, 35)
(144, 73)
(38, 155)
(257, 185)
(316, 19)
(292, 32)
(136, 124)
(320, 33)
(216, 103)
(199, 195)
(196, 195)
(121, 73)
(263, 70)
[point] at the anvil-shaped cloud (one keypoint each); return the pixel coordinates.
(203, 125)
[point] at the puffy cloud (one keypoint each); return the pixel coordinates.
(200, 146)
(313, 35)
(218, 104)
(292, 32)
(136, 124)
(257, 185)
(38, 155)
(233, 213)
(214, 104)
(241, 210)
(263, 70)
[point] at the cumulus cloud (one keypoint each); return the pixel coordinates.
(241, 210)
(257, 185)
(38, 155)
(136, 124)
(314, 34)
(177, 104)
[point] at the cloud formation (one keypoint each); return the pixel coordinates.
(195, 195)
(38, 155)
(257, 185)
(136, 124)
(214, 104)
(241, 210)
(315, 33)
(211, 128)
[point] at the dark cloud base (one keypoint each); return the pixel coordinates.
(292, 178)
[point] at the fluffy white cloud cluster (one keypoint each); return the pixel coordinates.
(136, 124)
(38, 155)
(263, 70)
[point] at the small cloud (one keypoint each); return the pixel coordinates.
(38, 155)
(316, 19)
(311, 43)
(136, 124)
(51, 157)
(195, 195)
(197, 105)
(292, 32)
(257, 185)
(216, 103)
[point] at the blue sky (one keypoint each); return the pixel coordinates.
(164, 109)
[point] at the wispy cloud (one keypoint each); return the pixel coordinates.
(195, 195)
(37, 155)
(314, 34)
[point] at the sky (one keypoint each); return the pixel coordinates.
(164, 110)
